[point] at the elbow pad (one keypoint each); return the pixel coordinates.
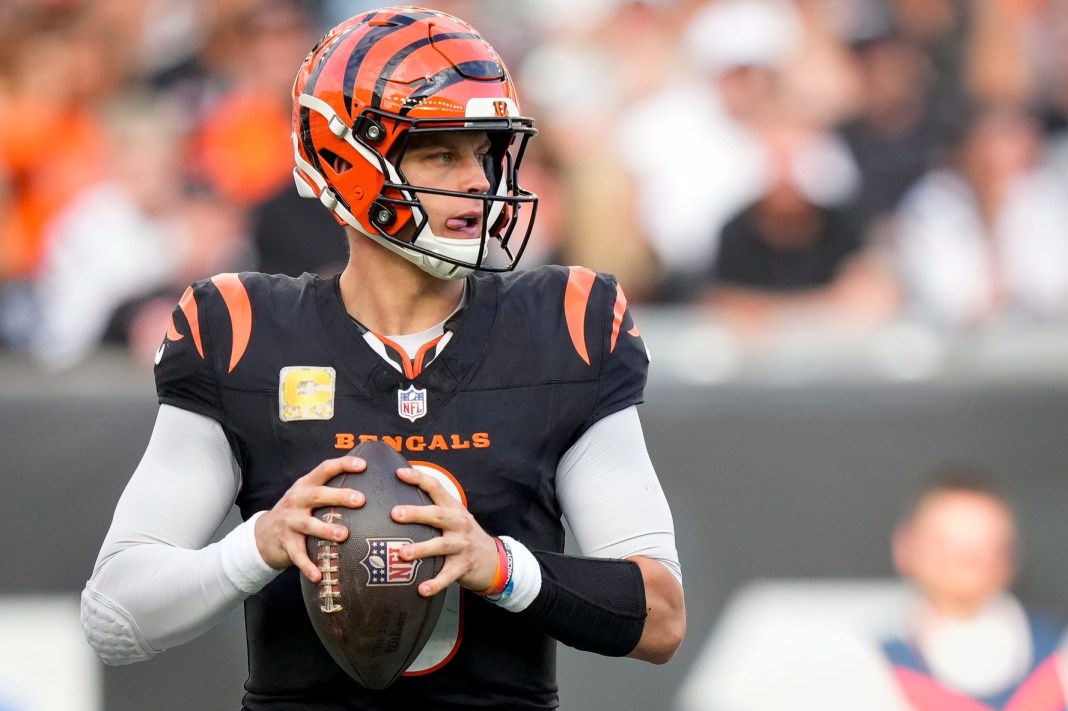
(593, 604)
(110, 631)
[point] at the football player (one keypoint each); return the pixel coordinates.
(512, 393)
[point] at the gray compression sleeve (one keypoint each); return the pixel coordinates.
(611, 496)
(157, 581)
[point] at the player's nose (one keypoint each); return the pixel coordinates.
(473, 175)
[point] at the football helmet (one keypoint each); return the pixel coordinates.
(378, 79)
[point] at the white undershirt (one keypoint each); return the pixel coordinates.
(157, 583)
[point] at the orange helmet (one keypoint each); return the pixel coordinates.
(372, 83)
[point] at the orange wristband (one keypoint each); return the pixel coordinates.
(501, 575)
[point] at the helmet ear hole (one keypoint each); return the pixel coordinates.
(337, 163)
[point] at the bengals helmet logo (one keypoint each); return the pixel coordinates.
(500, 108)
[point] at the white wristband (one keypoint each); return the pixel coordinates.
(241, 559)
(526, 578)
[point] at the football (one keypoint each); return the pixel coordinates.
(366, 609)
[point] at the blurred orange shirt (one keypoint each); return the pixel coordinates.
(244, 149)
(47, 156)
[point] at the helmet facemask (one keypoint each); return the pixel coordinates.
(375, 83)
(399, 215)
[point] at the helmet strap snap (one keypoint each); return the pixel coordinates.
(383, 215)
(370, 130)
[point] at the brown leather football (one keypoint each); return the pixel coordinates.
(366, 609)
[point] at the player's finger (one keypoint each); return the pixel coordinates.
(298, 554)
(448, 575)
(329, 468)
(314, 497)
(429, 484)
(437, 546)
(434, 516)
(324, 528)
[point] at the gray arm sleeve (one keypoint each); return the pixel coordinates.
(157, 582)
(611, 496)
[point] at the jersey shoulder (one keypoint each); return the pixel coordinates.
(220, 324)
(588, 310)
(572, 324)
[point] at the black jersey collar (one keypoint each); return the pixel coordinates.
(471, 327)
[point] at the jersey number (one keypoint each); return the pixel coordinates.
(448, 632)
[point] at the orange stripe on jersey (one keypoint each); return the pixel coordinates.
(406, 362)
(412, 366)
(172, 331)
(188, 303)
(617, 316)
(237, 303)
(417, 367)
(576, 299)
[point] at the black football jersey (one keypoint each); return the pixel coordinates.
(532, 361)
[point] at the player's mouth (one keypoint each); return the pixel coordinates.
(468, 224)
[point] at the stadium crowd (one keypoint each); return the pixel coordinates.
(850, 160)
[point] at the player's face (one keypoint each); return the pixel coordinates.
(959, 549)
(450, 161)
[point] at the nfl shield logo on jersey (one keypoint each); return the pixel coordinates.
(384, 565)
(411, 403)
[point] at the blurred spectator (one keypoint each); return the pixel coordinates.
(51, 143)
(821, 85)
(243, 149)
(1053, 99)
(947, 635)
(999, 64)
(965, 636)
(652, 115)
(1053, 48)
(940, 29)
(791, 252)
(986, 236)
(292, 235)
(691, 143)
(126, 237)
(577, 82)
(897, 132)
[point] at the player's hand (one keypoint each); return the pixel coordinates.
(470, 553)
(281, 532)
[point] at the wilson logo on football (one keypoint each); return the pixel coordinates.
(384, 565)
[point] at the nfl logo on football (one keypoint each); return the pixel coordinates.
(384, 565)
(411, 403)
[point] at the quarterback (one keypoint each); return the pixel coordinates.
(512, 394)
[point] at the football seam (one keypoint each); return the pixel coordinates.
(328, 584)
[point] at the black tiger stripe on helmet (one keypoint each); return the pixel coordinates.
(378, 79)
